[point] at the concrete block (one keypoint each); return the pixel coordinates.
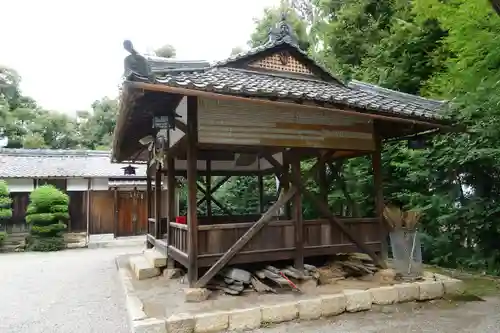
(384, 295)
(308, 285)
(245, 319)
(150, 325)
(135, 308)
(155, 258)
(196, 294)
(430, 290)
(142, 268)
(332, 305)
(453, 287)
(358, 300)
(180, 323)
(211, 322)
(407, 292)
(279, 313)
(309, 309)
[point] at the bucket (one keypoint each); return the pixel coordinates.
(407, 253)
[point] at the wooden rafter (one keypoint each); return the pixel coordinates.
(325, 210)
(256, 227)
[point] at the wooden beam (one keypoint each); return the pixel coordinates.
(297, 215)
(253, 100)
(379, 195)
(115, 213)
(260, 180)
(171, 188)
(221, 181)
(158, 203)
(212, 199)
(192, 215)
(251, 232)
(208, 185)
(325, 210)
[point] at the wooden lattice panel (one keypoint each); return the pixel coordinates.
(282, 62)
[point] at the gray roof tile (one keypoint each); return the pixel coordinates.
(228, 80)
(46, 163)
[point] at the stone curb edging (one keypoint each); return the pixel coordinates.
(138, 320)
(304, 309)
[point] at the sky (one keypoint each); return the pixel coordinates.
(70, 53)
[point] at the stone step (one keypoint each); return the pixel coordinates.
(156, 258)
(142, 268)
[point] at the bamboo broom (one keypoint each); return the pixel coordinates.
(393, 216)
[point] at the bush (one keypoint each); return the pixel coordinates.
(5, 209)
(47, 214)
(5, 202)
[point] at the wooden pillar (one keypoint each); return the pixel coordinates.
(171, 207)
(158, 203)
(285, 186)
(149, 192)
(115, 213)
(379, 195)
(297, 217)
(208, 187)
(192, 218)
(260, 180)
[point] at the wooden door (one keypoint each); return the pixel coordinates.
(125, 214)
(142, 214)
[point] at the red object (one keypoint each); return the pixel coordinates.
(181, 220)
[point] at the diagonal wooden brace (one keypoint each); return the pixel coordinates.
(214, 188)
(325, 210)
(212, 199)
(254, 229)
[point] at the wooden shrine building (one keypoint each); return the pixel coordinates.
(259, 112)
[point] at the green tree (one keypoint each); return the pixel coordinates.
(166, 51)
(5, 209)
(47, 213)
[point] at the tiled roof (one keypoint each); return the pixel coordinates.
(46, 163)
(229, 77)
(235, 81)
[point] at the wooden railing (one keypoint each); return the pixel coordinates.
(178, 236)
(276, 241)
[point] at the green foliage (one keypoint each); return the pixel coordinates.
(46, 213)
(5, 202)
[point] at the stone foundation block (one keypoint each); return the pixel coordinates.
(358, 300)
(211, 322)
(142, 268)
(245, 319)
(172, 273)
(407, 292)
(155, 258)
(196, 294)
(384, 295)
(181, 323)
(453, 287)
(279, 313)
(309, 309)
(308, 285)
(430, 290)
(150, 325)
(332, 305)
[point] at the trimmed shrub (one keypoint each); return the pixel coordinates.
(47, 214)
(5, 209)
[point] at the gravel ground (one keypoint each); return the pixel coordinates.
(69, 291)
(439, 317)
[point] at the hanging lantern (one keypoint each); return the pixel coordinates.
(418, 142)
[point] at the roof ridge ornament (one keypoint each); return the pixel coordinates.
(283, 32)
(136, 63)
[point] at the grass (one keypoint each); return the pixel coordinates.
(476, 285)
